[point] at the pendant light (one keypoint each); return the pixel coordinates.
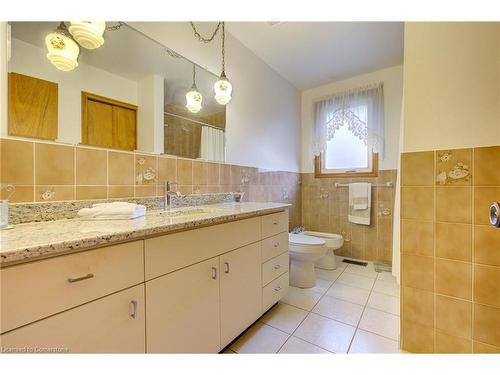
(223, 87)
(88, 34)
(194, 97)
(62, 50)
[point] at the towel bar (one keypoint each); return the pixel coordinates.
(387, 184)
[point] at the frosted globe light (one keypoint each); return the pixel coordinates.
(88, 33)
(62, 51)
(193, 100)
(223, 89)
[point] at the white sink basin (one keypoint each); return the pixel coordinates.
(333, 241)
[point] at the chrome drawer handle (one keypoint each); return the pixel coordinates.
(277, 266)
(75, 279)
(226, 267)
(133, 310)
(276, 244)
(277, 289)
(214, 273)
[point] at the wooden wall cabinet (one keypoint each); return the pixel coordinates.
(108, 123)
(32, 107)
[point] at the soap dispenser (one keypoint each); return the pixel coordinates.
(4, 206)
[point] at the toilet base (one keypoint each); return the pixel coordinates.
(328, 262)
(302, 274)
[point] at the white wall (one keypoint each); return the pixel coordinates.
(393, 91)
(263, 118)
(30, 60)
(150, 114)
(452, 85)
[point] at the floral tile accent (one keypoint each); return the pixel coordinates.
(145, 170)
(454, 167)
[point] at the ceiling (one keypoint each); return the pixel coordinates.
(309, 54)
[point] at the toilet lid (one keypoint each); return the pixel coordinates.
(300, 239)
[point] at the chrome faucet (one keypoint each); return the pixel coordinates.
(167, 193)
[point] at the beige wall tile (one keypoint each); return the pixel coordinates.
(213, 172)
(235, 175)
(487, 166)
(146, 169)
(416, 338)
(417, 168)
(418, 272)
(450, 160)
(54, 164)
(454, 316)
(145, 191)
(418, 306)
(481, 348)
(225, 174)
(454, 241)
(417, 237)
(91, 167)
(121, 168)
(91, 192)
(487, 324)
(184, 172)
(452, 344)
(167, 170)
(199, 173)
(417, 203)
(454, 278)
(185, 189)
(21, 194)
(487, 285)
(121, 191)
(483, 196)
(54, 193)
(16, 162)
(454, 204)
(487, 245)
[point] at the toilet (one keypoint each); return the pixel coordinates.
(333, 242)
(304, 251)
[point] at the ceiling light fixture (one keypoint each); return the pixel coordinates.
(89, 34)
(194, 97)
(62, 49)
(223, 88)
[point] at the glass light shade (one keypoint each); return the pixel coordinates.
(88, 33)
(223, 89)
(193, 100)
(62, 51)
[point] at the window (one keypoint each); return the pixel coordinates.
(346, 130)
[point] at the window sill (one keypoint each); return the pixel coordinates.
(318, 172)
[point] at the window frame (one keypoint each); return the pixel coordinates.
(320, 173)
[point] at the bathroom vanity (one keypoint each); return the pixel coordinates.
(187, 282)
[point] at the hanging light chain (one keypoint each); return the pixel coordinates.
(202, 39)
(223, 49)
(194, 75)
(115, 27)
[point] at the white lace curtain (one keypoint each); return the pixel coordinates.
(361, 110)
(212, 144)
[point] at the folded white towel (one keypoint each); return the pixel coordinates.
(360, 195)
(113, 211)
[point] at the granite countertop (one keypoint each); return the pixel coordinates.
(26, 242)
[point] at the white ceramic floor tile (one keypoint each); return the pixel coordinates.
(328, 275)
(356, 281)
(343, 311)
(294, 345)
(348, 293)
(387, 276)
(367, 342)
(326, 333)
(260, 338)
(284, 317)
(367, 271)
(321, 286)
(340, 264)
(384, 302)
(381, 323)
(385, 287)
(301, 298)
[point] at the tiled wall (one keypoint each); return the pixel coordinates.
(52, 172)
(325, 208)
(450, 261)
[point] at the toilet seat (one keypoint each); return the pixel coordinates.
(299, 243)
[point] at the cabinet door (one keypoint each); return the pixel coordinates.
(240, 290)
(113, 324)
(99, 124)
(183, 310)
(124, 128)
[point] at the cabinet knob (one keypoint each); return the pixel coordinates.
(226, 267)
(275, 222)
(81, 278)
(277, 266)
(133, 309)
(276, 244)
(277, 289)
(214, 273)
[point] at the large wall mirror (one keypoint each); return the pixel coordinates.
(129, 93)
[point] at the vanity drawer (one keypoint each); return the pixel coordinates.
(33, 291)
(171, 252)
(274, 268)
(274, 246)
(274, 224)
(274, 291)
